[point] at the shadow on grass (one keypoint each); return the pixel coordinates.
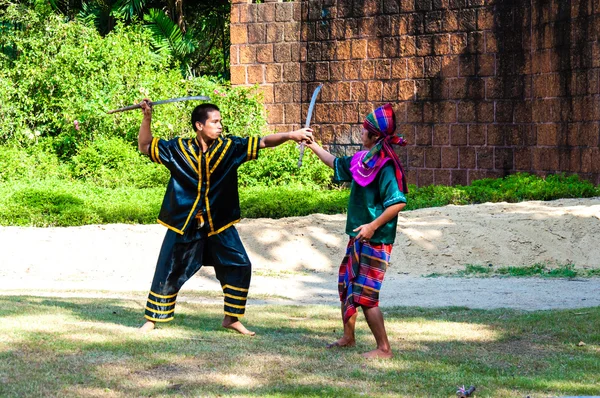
(85, 347)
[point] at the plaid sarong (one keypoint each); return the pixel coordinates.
(361, 274)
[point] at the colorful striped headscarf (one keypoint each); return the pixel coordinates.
(381, 122)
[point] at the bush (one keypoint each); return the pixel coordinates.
(29, 164)
(52, 203)
(513, 188)
(112, 162)
(291, 201)
(524, 186)
(279, 166)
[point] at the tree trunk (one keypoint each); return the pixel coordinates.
(179, 13)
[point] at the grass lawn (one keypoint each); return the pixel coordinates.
(90, 348)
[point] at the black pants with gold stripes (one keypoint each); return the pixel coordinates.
(181, 256)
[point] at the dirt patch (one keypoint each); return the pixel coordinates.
(296, 259)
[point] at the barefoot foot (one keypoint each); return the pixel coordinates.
(234, 324)
(146, 327)
(343, 342)
(378, 353)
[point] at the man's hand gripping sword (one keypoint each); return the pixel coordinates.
(311, 107)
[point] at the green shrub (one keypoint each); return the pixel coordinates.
(28, 164)
(112, 162)
(291, 201)
(513, 188)
(52, 203)
(279, 166)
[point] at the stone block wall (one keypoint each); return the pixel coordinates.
(481, 88)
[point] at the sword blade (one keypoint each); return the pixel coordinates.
(167, 101)
(311, 107)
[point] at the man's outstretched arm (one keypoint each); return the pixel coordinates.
(276, 139)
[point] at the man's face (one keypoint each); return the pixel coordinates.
(211, 129)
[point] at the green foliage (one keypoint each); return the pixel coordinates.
(167, 37)
(513, 188)
(194, 33)
(112, 162)
(523, 186)
(54, 202)
(291, 201)
(29, 164)
(67, 72)
(279, 166)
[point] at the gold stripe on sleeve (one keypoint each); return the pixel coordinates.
(249, 156)
(255, 151)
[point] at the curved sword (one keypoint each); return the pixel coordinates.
(136, 106)
(311, 107)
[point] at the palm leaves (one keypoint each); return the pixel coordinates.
(99, 14)
(131, 8)
(167, 37)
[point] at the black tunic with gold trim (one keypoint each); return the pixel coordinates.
(200, 206)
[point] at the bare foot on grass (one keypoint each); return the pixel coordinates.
(232, 323)
(378, 354)
(146, 327)
(342, 343)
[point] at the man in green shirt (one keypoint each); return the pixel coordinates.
(376, 197)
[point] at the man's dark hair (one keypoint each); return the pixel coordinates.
(200, 113)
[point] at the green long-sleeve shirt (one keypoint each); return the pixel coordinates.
(367, 203)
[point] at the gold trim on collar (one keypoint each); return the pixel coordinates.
(213, 152)
(187, 156)
(221, 157)
(193, 152)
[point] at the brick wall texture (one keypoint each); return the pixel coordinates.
(481, 88)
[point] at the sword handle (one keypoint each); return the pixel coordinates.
(301, 154)
(127, 108)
